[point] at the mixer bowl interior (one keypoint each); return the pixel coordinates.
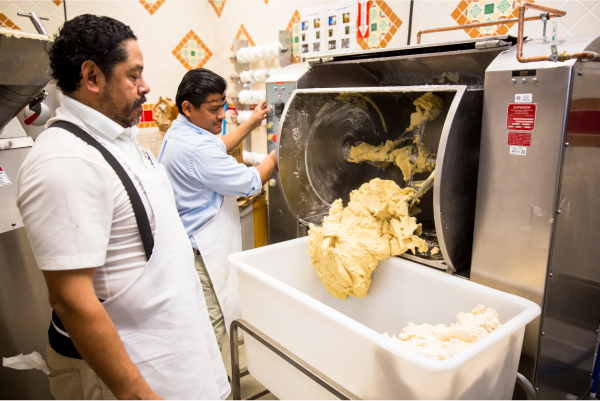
(334, 121)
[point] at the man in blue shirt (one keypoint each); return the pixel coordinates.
(206, 182)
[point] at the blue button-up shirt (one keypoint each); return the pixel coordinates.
(201, 173)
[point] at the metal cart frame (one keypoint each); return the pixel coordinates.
(302, 366)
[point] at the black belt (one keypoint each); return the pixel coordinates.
(58, 341)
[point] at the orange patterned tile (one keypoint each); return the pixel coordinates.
(218, 6)
(57, 2)
(266, 1)
(7, 23)
(243, 34)
(152, 5)
(387, 23)
(462, 5)
(294, 27)
(474, 11)
(192, 52)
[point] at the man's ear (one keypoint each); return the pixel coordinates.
(187, 108)
(92, 78)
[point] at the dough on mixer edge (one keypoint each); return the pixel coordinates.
(429, 107)
(353, 240)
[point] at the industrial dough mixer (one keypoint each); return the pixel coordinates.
(516, 114)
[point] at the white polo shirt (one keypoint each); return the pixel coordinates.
(76, 211)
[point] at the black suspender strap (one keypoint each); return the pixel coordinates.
(139, 210)
(60, 342)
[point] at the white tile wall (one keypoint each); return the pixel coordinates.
(160, 33)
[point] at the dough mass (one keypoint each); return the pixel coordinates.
(429, 107)
(399, 157)
(442, 342)
(353, 240)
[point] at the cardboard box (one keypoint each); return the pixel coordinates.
(237, 152)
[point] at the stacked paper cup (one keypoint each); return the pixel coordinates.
(248, 96)
(266, 52)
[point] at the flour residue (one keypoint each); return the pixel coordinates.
(353, 240)
(441, 342)
(359, 100)
(450, 76)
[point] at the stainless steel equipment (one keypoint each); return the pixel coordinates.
(537, 220)
(517, 174)
(24, 308)
(369, 97)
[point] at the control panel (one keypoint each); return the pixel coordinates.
(278, 95)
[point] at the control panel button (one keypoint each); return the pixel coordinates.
(274, 137)
(278, 108)
(270, 125)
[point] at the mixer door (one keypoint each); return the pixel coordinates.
(320, 125)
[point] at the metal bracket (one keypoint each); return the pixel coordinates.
(526, 386)
(544, 17)
(37, 100)
(36, 21)
(292, 359)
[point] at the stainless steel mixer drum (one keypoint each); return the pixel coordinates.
(319, 123)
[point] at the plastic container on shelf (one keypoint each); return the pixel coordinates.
(282, 296)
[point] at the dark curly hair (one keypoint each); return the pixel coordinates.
(87, 37)
(197, 85)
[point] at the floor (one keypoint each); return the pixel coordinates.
(248, 383)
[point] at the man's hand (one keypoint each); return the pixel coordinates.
(233, 138)
(265, 169)
(259, 114)
(93, 333)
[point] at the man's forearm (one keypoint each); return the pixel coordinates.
(233, 138)
(265, 169)
(96, 338)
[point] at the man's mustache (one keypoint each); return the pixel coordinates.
(139, 102)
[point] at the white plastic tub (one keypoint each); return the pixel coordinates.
(282, 296)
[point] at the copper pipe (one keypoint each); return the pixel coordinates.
(477, 25)
(583, 56)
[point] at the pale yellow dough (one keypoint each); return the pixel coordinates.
(429, 107)
(353, 240)
(435, 250)
(442, 342)
(399, 157)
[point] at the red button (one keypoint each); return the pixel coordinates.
(274, 137)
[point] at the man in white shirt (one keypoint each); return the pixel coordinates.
(129, 317)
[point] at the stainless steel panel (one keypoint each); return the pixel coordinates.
(24, 316)
(283, 225)
(247, 223)
(414, 49)
(24, 70)
(15, 143)
(516, 195)
(465, 67)
(572, 301)
(10, 161)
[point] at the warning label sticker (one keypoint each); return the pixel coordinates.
(519, 138)
(4, 178)
(518, 150)
(521, 117)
